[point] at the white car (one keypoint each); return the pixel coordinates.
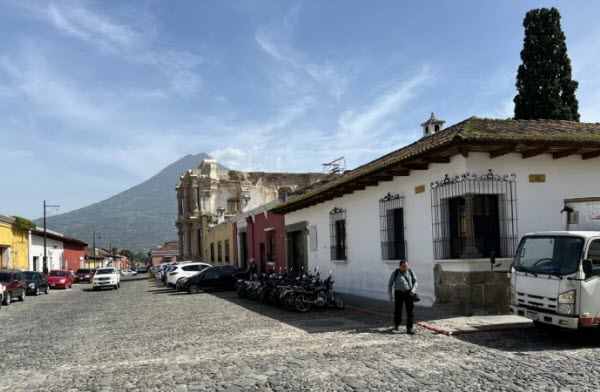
(106, 277)
(184, 270)
(128, 272)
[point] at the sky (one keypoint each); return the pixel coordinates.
(98, 96)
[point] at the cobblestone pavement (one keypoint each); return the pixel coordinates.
(146, 338)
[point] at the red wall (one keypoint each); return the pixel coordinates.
(72, 254)
(257, 235)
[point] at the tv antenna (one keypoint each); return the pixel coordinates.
(337, 166)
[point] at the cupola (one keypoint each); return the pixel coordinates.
(432, 126)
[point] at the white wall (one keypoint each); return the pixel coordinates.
(365, 273)
(55, 255)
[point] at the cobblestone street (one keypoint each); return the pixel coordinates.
(146, 338)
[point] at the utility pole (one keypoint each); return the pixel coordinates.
(94, 242)
(45, 267)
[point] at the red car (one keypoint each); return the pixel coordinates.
(60, 278)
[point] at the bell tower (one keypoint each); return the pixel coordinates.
(432, 126)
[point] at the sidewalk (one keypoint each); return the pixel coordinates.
(438, 319)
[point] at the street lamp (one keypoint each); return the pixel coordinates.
(45, 267)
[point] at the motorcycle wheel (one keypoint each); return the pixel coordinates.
(289, 302)
(301, 306)
(339, 301)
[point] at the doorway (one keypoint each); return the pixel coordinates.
(263, 258)
(243, 251)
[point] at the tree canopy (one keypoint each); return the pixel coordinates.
(544, 84)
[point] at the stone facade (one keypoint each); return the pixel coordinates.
(472, 292)
(209, 195)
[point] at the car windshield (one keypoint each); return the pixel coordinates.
(58, 273)
(105, 271)
(549, 255)
(4, 277)
(29, 275)
(83, 271)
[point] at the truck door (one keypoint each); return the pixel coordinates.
(589, 303)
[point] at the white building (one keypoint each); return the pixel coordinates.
(445, 203)
(54, 249)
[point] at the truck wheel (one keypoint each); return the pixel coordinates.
(7, 299)
(22, 296)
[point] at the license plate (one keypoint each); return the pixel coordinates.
(531, 315)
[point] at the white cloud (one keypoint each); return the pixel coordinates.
(333, 79)
(358, 126)
(130, 40)
(233, 158)
(75, 18)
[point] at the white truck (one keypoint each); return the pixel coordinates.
(555, 276)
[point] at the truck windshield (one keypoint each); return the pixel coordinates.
(549, 255)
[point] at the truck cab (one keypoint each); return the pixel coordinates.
(555, 279)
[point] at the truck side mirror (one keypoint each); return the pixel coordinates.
(587, 268)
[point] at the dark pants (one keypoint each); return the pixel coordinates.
(400, 298)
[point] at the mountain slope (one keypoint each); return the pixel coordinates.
(138, 218)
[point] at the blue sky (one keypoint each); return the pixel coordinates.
(97, 96)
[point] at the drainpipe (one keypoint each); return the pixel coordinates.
(566, 214)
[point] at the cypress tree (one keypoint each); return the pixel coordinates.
(545, 89)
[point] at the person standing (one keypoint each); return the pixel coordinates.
(402, 288)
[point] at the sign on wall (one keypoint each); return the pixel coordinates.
(593, 211)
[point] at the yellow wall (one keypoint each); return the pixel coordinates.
(18, 242)
(219, 233)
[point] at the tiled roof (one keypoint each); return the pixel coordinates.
(470, 134)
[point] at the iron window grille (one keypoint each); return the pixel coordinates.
(337, 226)
(220, 252)
(473, 216)
(391, 224)
(212, 252)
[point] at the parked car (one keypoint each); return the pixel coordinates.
(60, 278)
(181, 271)
(84, 275)
(106, 277)
(15, 285)
(212, 278)
(37, 282)
(128, 272)
(142, 270)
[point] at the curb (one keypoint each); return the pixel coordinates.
(446, 332)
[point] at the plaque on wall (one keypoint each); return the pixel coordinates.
(537, 178)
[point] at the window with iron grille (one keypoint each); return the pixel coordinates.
(337, 224)
(474, 216)
(391, 223)
(220, 252)
(212, 252)
(227, 251)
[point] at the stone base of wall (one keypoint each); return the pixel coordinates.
(472, 292)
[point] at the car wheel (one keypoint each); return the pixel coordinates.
(22, 296)
(47, 291)
(7, 299)
(194, 289)
(95, 288)
(37, 291)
